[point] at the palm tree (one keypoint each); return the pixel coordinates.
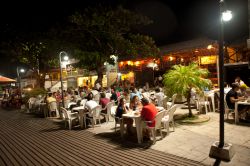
(181, 79)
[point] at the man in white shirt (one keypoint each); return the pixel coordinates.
(90, 104)
(159, 96)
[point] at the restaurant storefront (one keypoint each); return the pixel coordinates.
(201, 51)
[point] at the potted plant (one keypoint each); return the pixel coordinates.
(182, 79)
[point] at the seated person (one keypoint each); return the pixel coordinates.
(90, 104)
(104, 101)
(148, 113)
(126, 95)
(123, 109)
(242, 92)
(113, 96)
(239, 81)
(76, 97)
(135, 103)
(135, 92)
(232, 97)
(159, 96)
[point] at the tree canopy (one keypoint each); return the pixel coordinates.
(102, 32)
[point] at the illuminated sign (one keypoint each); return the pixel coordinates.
(205, 60)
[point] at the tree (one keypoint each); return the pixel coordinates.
(36, 52)
(181, 79)
(99, 33)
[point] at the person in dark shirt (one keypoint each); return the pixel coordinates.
(113, 96)
(232, 97)
(123, 109)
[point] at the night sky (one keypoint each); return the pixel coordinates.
(174, 20)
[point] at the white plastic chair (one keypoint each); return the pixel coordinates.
(170, 104)
(117, 121)
(112, 112)
(108, 95)
(157, 126)
(108, 108)
(53, 108)
(83, 102)
(165, 102)
(69, 117)
(169, 118)
(94, 115)
(31, 103)
(67, 103)
(203, 101)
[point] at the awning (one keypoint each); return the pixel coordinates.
(6, 80)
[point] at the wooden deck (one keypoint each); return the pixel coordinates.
(29, 140)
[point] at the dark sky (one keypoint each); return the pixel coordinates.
(174, 20)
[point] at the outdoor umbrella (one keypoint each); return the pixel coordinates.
(4, 80)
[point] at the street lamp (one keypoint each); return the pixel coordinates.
(18, 71)
(65, 58)
(221, 150)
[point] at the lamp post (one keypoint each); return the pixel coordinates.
(18, 71)
(60, 65)
(221, 150)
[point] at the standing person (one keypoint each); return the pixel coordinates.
(98, 86)
(50, 98)
(146, 87)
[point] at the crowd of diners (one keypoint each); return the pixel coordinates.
(11, 98)
(126, 99)
(144, 100)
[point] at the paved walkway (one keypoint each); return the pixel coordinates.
(194, 141)
(29, 140)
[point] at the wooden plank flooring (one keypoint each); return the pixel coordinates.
(29, 140)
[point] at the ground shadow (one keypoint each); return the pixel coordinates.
(129, 141)
(240, 123)
(60, 125)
